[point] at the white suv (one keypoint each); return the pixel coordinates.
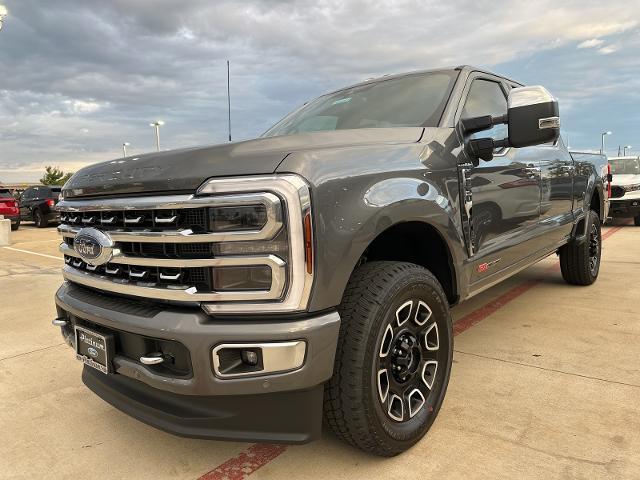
(625, 188)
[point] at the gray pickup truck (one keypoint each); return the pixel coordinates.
(239, 291)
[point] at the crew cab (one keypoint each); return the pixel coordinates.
(37, 204)
(9, 208)
(238, 291)
(625, 188)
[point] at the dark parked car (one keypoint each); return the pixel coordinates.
(9, 208)
(236, 291)
(37, 204)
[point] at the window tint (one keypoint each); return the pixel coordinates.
(5, 192)
(409, 101)
(28, 193)
(486, 98)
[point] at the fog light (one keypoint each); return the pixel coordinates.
(249, 357)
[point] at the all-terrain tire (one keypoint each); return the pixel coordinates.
(580, 262)
(353, 404)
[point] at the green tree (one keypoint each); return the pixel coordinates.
(55, 176)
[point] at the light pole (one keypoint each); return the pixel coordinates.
(602, 144)
(3, 13)
(157, 124)
(124, 148)
(625, 150)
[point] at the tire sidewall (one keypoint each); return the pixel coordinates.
(594, 219)
(418, 285)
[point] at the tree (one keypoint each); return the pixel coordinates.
(55, 176)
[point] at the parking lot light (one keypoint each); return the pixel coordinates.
(624, 154)
(124, 148)
(3, 13)
(602, 144)
(157, 124)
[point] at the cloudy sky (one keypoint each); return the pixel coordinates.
(79, 77)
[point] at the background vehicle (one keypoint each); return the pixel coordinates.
(625, 188)
(9, 208)
(37, 204)
(237, 291)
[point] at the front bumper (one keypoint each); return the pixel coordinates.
(280, 407)
(624, 208)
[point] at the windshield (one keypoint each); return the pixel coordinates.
(624, 166)
(415, 100)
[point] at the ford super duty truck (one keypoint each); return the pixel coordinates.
(239, 291)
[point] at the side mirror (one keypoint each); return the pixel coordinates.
(533, 117)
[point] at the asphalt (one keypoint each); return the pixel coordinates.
(545, 384)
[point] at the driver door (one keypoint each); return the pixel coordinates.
(505, 191)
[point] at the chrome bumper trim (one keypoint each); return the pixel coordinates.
(276, 357)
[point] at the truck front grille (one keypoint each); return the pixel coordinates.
(168, 248)
(195, 219)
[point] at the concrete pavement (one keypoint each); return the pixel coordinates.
(544, 385)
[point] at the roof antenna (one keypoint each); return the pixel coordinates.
(229, 99)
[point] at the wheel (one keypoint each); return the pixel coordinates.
(636, 220)
(393, 359)
(15, 226)
(580, 262)
(39, 219)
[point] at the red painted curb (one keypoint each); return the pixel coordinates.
(245, 463)
(258, 455)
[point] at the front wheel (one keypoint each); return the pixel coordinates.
(393, 359)
(580, 262)
(636, 220)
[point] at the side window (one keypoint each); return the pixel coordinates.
(486, 98)
(28, 194)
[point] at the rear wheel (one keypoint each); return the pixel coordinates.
(39, 219)
(15, 226)
(393, 359)
(580, 262)
(636, 220)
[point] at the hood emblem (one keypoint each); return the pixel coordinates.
(93, 246)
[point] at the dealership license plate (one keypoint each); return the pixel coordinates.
(94, 349)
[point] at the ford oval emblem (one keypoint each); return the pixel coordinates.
(92, 351)
(93, 246)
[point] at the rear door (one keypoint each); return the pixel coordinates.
(556, 189)
(505, 191)
(26, 200)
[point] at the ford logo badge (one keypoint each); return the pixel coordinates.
(93, 246)
(92, 351)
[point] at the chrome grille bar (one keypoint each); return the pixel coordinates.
(178, 293)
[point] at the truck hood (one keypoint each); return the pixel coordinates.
(623, 179)
(185, 170)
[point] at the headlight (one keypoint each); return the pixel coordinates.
(631, 188)
(266, 221)
(248, 217)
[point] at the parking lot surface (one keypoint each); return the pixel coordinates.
(545, 384)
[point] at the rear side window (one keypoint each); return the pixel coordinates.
(486, 98)
(5, 192)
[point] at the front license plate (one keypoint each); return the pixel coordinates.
(94, 349)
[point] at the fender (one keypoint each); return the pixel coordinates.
(595, 183)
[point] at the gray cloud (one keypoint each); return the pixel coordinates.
(79, 78)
